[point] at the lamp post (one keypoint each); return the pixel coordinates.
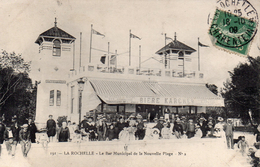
(81, 87)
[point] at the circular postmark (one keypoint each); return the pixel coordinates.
(234, 25)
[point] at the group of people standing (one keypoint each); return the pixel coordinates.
(13, 133)
(101, 130)
(135, 128)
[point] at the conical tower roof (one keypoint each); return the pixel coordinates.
(177, 46)
(54, 32)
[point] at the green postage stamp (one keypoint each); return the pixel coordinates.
(234, 26)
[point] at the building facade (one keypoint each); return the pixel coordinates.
(113, 91)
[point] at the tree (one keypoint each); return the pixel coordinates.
(214, 111)
(242, 91)
(15, 84)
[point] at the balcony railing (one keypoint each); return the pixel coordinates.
(176, 73)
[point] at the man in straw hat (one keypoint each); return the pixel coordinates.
(229, 128)
(25, 142)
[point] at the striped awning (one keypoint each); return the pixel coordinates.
(154, 93)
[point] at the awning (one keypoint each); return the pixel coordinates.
(154, 93)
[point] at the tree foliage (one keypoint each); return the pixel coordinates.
(242, 91)
(16, 89)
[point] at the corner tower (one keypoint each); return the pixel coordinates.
(55, 61)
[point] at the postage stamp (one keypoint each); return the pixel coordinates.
(234, 26)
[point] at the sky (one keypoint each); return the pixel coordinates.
(23, 20)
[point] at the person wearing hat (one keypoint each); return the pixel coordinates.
(2, 131)
(203, 126)
(177, 129)
(14, 118)
(102, 129)
(120, 126)
(190, 129)
(83, 123)
(110, 135)
(219, 131)
(10, 140)
(184, 123)
(91, 128)
(15, 130)
(140, 132)
(229, 129)
(32, 129)
(155, 135)
(159, 125)
(51, 128)
(63, 134)
(25, 142)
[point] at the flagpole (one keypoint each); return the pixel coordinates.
(116, 59)
(74, 55)
(80, 50)
(129, 47)
(183, 63)
(108, 58)
(139, 56)
(198, 55)
(90, 43)
(165, 59)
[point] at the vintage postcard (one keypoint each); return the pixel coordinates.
(129, 83)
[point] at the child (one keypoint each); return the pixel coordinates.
(78, 135)
(155, 134)
(111, 132)
(42, 138)
(124, 135)
(242, 144)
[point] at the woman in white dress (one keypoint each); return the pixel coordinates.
(219, 130)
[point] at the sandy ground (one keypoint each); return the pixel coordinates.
(194, 152)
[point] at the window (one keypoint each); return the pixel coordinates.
(51, 103)
(56, 48)
(72, 98)
(58, 102)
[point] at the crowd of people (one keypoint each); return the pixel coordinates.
(136, 128)
(12, 134)
(123, 129)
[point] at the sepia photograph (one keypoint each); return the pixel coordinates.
(130, 83)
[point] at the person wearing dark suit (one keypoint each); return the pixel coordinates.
(203, 126)
(159, 125)
(32, 129)
(178, 129)
(51, 128)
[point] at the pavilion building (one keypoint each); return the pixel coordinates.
(111, 90)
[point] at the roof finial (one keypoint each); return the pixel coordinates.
(55, 23)
(175, 36)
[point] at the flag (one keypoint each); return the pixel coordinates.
(113, 59)
(103, 59)
(97, 33)
(168, 38)
(202, 45)
(134, 36)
